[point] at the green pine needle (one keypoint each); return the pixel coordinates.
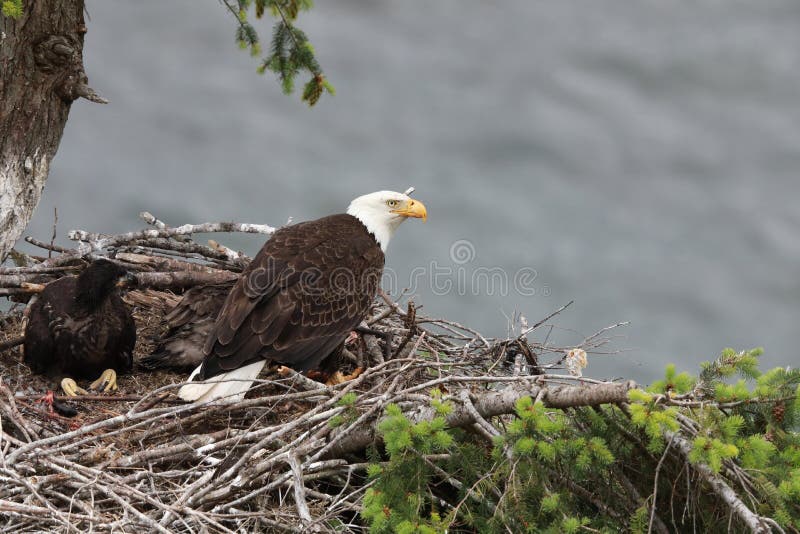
(12, 8)
(290, 52)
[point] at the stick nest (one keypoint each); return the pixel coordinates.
(143, 459)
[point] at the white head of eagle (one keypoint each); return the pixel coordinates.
(383, 211)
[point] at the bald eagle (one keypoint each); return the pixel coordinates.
(79, 327)
(295, 304)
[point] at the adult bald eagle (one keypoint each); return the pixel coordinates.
(79, 328)
(307, 288)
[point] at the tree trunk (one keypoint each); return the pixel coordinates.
(41, 74)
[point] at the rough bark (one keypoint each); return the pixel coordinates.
(41, 74)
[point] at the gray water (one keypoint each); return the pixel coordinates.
(640, 157)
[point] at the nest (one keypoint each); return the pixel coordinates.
(143, 459)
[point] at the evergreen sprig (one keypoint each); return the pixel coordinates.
(349, 414)
(673, 383)
(12, 8)
(400, 500)
(654, 419)
(291, 53)
(730, 362)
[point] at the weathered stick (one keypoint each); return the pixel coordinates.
(100, 241)
(180, 279)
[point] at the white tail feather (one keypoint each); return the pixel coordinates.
(231, 385)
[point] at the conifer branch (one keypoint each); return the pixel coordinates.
(491, 404)
(655, 486)
(754, 522)
(279, 9)
(290, 51)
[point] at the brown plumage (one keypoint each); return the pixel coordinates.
(190, 322)
(307, 288)
(79, 326)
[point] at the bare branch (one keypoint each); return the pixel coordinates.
(102, 241)
(300, 491)
(84, 91)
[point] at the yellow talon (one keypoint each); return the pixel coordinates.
(339, 378)
(106, 382)
(72, 389)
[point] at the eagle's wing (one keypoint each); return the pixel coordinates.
(307, 288)
(39, 348)
(126, 340)
(197, 303)
(190, 322)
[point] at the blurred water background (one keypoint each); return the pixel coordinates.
(640, 157)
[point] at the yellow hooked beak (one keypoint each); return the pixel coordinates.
(413, 208)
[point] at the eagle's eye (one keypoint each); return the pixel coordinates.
(392, 203)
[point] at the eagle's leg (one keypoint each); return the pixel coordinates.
(106, 382)
(71, 388)
(385, 335)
